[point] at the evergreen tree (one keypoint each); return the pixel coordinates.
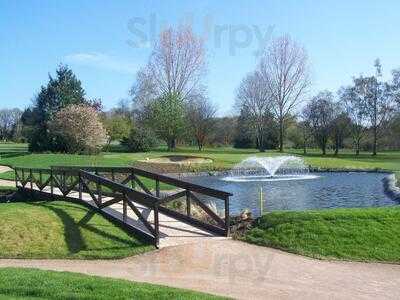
(62, 90)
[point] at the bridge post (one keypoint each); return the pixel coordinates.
(23, 178)
(99, 194)
(157, 188)
(156, 226)
(15, 176)
(227, 217)
(31, 179)
(51, 182)
(80, 185)
(124, 210)
(188, 203)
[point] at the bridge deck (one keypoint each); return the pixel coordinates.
(172, 231)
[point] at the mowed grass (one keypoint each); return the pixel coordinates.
(37, 284)
(62, 230)
(368, 234)
(223, 158)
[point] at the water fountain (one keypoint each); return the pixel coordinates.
(283, 183)
(270, 169)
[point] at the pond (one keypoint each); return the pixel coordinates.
(312, 191)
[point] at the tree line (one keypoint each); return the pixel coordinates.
(168, 104)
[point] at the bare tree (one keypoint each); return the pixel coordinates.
(379, 104)
(353, 102)
(320, 114)
(201, 113)
(175, 70)
(10, 120)
(253, 97)
(224, 131)
(285, 70)
(340, 127)
(395, 86)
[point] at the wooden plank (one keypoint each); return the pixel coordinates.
(172, 197)
(127, 179)
(208, 210)
(87, 189)
(111, 202)
(140, 216)
(56, 183)
(141, 198)
(141, 184)
(41, 187)
(163, 178)
(71, 187)
(191, 220)
(188, 203)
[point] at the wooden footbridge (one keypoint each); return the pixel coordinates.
(124, 195)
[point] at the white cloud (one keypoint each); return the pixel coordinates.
(102, 61)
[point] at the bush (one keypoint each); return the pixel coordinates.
(78, 129)
(140, 140)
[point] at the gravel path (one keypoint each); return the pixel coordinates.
(241, 270)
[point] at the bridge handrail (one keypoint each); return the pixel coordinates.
(156, 176)
(70, 178)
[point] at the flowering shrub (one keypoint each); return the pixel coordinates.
(78, 129)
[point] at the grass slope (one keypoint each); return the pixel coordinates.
(224, 158)
(36, 284)
(62, 230)
(368, 234)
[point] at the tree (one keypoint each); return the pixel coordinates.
(140, 140)
(285, 71)
(171, 78)
(10, 123)
(299, 134)
(63, 90)
(254, 98)
(320, 113)
(352, 99)
(244, 133)
(118, 127)
(167, 118)
(200, 116)
(224, 131)
(80, 128)
(395, 86)
(340, 127)
(378, 103)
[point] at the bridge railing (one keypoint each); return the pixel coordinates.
(132, 185)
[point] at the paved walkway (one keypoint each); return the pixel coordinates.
(242, 271)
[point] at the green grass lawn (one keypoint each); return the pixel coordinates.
(223, 157)
(36, 284)
(62, 230)
(368, 234)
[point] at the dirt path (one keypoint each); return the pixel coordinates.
(243, 271)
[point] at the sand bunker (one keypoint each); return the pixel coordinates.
(178, 160)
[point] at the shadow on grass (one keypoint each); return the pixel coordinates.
(72, 230)
(72, 233)
(13, 154)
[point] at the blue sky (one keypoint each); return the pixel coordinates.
(106, 42)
